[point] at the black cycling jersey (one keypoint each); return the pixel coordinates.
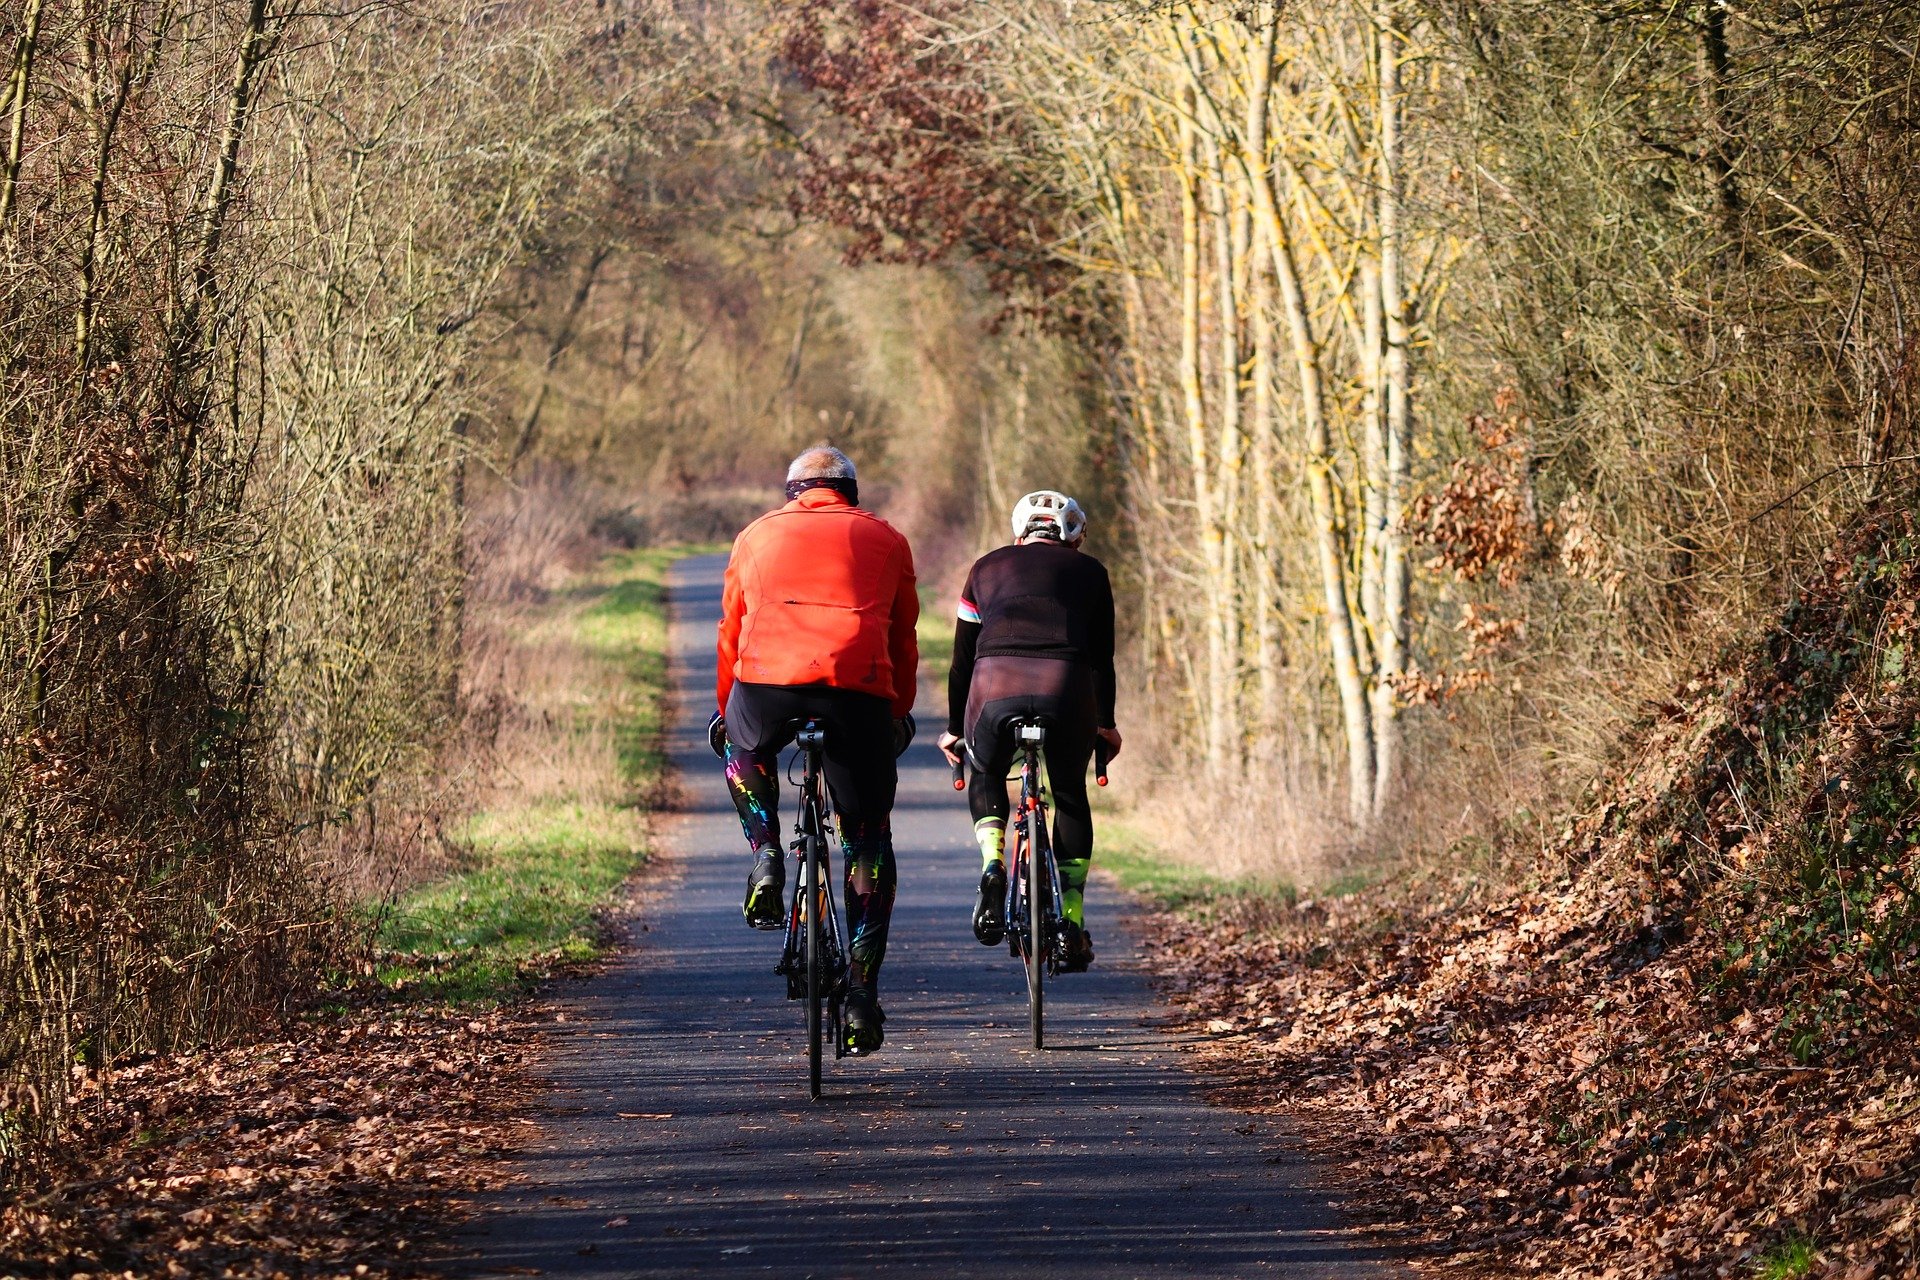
(1038, 600)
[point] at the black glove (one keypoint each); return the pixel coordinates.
(903, 730)
(717, 735)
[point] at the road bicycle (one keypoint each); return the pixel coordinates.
(814, 959)
(1035, 906)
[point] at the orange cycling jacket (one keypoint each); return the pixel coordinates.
(820, 592)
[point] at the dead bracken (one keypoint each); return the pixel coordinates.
(335, 1148)
(1690, 1049)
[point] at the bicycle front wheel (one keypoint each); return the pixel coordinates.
(1039, 920)
(816, 955)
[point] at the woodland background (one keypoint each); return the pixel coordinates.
(1446, 381)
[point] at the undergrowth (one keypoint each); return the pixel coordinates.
(330, 1143)
(540, 864)
(1682, 1045)
(1131, 852)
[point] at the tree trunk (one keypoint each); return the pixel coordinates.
(1223, 623)
(254, 44)
(1328, 534)
(1391, 640)
(198, 316)
(1213, 721)
(557, 347)
(1714, 66)
(104, 120)
(1260, 427)
(18, 88)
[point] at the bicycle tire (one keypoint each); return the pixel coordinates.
(1037, 940)
(815, 928)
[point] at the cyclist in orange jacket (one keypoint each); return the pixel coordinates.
(1034, 640)
(817, 622)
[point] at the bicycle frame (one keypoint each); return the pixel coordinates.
(1035, 938)
(814, 958)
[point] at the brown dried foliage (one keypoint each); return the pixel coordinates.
(1693, 1042)
(910, 162)
(1481, 522)
(335, 1148)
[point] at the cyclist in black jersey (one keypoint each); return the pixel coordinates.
(1034, 639)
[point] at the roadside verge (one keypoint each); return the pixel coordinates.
(336, 1143)
(1678, 1040)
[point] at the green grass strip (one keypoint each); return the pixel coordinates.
(1127, 850)
(538, 874)
(934, 633)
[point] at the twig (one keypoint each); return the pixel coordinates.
(1828, 474)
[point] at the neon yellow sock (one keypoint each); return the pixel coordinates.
(992, 835)
(1073, 889)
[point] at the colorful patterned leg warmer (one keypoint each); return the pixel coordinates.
(871, 877)
(753, 777)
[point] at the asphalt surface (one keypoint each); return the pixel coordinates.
(680, 1140)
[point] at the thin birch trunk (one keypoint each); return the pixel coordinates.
(254, 44)
(1373, 437)
(1715, 65)
(1391, 639)
(1146, 390)
(1260, 428)
(190, 341)
(1221, 501)
(1328, 535)
(1223, 628)
(1213, 724)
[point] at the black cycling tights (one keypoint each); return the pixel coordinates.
(1060, 694)
(860, 778)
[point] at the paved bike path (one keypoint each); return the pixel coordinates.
(680, 1139)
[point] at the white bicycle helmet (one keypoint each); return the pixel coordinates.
(1048, 514)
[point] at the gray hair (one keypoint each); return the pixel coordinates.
(822, 462)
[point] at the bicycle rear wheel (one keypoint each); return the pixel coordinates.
(1038, 920)
(816, 957)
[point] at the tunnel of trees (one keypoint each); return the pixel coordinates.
(1447, 379)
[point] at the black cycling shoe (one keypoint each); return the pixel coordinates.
(1079, 948)
(763, 907)
(990, 912)
(861, 1020)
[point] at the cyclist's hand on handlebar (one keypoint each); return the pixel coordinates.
(903, 731)
(717, 735)
(1112, 738)
(950, 748)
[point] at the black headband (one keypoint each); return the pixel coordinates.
(846, 486)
